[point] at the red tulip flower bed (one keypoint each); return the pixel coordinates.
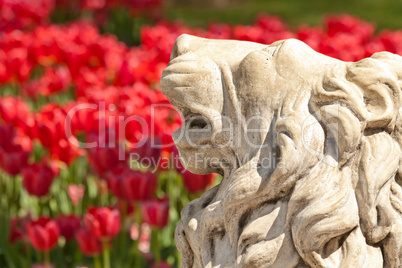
(89, 175)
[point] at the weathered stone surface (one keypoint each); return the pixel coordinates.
(309, 148)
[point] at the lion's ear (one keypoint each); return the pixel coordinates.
(381, 102)
(380, 89)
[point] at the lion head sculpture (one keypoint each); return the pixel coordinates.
(309, 148)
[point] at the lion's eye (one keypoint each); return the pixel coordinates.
(198, 122)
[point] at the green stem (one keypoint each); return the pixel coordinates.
(38, 256)
(134, 250)
(106, 255)
(11, 194)
(123, 232)
(178, 256)
(44, 208)
(16, 194)
(1, 190)
(46, 258)
(28, 251)
(97, 262)
(156, 247)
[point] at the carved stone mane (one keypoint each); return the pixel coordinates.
(309, 148)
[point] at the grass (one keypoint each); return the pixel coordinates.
(384, 13)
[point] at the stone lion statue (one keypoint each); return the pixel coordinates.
(309, 148)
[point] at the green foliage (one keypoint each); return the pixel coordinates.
(385, 13)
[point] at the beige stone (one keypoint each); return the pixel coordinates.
(309, 148)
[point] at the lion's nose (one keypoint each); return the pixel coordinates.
(182, 45)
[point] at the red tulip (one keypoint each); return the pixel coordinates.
(149, 153)
(13, 110)
(37, 179)
(93, 4)
(102, 159)
(106, 154)
(132, 185)
(52, 81)
(43, 233)
(18, 228)
(50, 125)
(15, 232)
(64, 151)
(88, 242)
(103, 222)
(20, 14)
(6, 134)
(115, 178)
(13, 159)
(139, 185)
(156, 212)
(15, 149)
(194, 183)
(68, 225)
(15, 235)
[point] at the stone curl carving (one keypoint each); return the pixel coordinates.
(331, 133)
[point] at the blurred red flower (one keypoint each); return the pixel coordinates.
(93, 4)
(37, 178)
(16, 14)
(194, 183)
(18, 228)
(139, 185)
(54, 80)
(50, 123)
(149, 153)
(104, 222)
(106, 152)
(88, 242)
(115, 178)
(15, 149)
(13, 159)
(68, 225)
(15, 232)
(43, 233)
(391, 41)
(336, 24)
(65, 151)
(132, 185)
(156, 212)
(13, 110)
